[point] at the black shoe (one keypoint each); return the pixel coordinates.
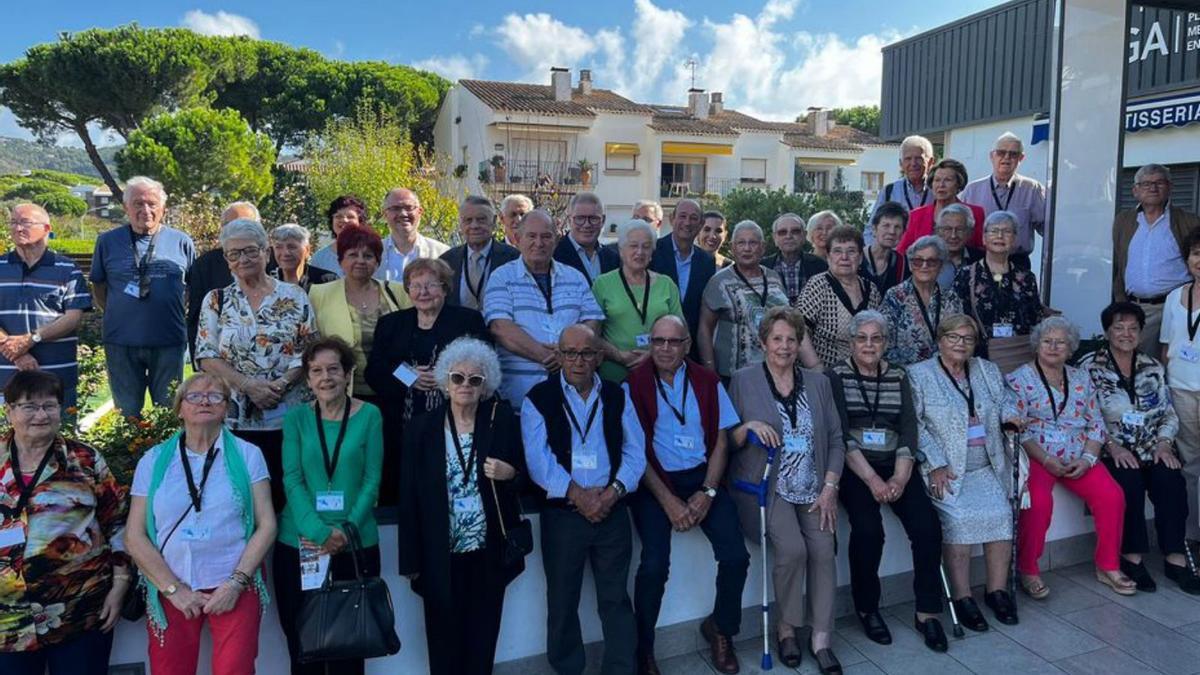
(826, 661)
(931, 630)
(1188, 583)
(874, 627)
(789, 652)
(969, 615)
(1140, 575)
(1002, 606)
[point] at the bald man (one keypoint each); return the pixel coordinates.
(402, 210)
(688, 265)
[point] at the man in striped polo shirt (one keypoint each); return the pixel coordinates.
(43, 296)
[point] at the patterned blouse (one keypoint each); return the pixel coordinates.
(827, 310)
(797, 482)
(263, 345)
(1138, 420)
(1078, 420)
(468, 525)
(1014, 300)
(913, 329)
(739, 307)
(53, 585)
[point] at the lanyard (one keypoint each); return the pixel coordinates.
(196, 493)
(907, 189)
(937, 315)
(583, 431)
(1129, 385)
(1193, 326)
(331, 463)
(1012, 189)
(842, 297)
(487, 266)
(873, 410)
(969, 394)
(26, 489)
(548, 291)
(870, 261)
(762, 296)
(791, 402)
(142, 266)
(466, 462)
(681, 413)
(1050, 391)
(641, 312)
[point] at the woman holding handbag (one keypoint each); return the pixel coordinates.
(462, 539)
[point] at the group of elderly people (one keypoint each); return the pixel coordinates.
(860, 374)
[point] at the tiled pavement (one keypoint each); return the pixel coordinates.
(1081, 628)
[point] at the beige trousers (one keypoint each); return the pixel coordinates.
(805, 566)
(1187, 407)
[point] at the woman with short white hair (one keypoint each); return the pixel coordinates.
(916, 307)
(290, 244)
(820, 224)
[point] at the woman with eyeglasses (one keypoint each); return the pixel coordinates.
(960, 402)
(200, 524)
(946, 180)
(458, 500)
(332, 461)
(1063, 441)
(830, 299)
(251, 335)
(632, 298)
(916, 307)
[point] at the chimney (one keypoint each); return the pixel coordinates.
(717, 105)
(818, 121)
(585, 82)
(560, 83)
(698, 103)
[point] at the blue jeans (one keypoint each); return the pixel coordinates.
(133, 370)
(84, 654)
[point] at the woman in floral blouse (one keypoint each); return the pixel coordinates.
(916, 306)
(1140, 451)
(252, 333)
(63, 569)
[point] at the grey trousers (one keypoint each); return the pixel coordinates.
(1187, 441)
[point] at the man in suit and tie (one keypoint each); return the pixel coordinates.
(474, 261)
(688, 265)
(581, 247)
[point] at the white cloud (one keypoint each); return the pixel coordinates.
(658, 34)
(538, 42)
(221, 23)
(455, 67)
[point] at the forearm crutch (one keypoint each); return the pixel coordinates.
(1013, 448)
(759, 490)
(956, 626)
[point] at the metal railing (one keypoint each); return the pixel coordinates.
(518, 174)
(714, 185)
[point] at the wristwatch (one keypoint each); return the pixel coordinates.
(170, 590)
(710, 492)
(36, 338)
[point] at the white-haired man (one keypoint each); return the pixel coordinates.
(138, 276)
(910, 190)
(512, 209)
(1006, 190)
(581, 248)
(649, 211)
(479, 254)
(402, 210)
(795, 267)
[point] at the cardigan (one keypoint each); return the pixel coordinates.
(333, 312)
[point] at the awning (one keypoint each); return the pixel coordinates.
(697, 149)
(1178, 111)
(622, 149)
(1041, 131)
(823, 161)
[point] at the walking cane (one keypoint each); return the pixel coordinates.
(759, 490)
(1011, 443)
(957, 627)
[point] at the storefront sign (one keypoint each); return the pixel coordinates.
(1164, 112)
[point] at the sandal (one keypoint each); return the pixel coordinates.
(1121, 585)
(1034, 587)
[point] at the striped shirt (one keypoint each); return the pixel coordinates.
(31, 298)
(893, 416)
(513, 294)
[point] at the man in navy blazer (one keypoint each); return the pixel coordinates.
(477, 227)
(688, 265)
(581, 247)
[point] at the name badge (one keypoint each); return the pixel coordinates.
(1002, 330)
(12, 533)
(1054, 436)
(795, 444)
(406, 374)
(585, 461)
(976, 432)
(331, 501)
(195, 533)
(314, 565)
(874, 437)
(1133, 419)
(685, 442)
(1189, 353)
(132, 290)
(642, 340)
(468, 504)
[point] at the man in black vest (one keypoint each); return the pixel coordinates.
(585, 447)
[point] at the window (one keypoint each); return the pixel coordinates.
(809, 179)
(754, 171)
(620, 156)
(531, 159)
(682, 176)
(872, 181)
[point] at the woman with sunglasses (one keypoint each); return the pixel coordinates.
(916, 306)
(458, 504)
(332, 456)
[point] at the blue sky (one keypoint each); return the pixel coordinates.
(773, 58)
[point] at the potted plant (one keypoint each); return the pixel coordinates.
(484, 178)
(499, 172)
(585, 172)
(460, 170)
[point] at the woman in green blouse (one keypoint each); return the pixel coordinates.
(332, 460)
(632, 298)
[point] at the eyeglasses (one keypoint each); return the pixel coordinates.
(249, 253)
(423, 288)
(668, 342)
(849, 252)
(1007, 153)
(861, 339)
(32, 409)
(916, 263)
(403, 208)
(1054, 343)
(952, 230)
(958, 338)
(1153, 184)
(204, 397)
(26, 224)
(587, 220)
(1001, 231)
(585, 355)
(459, 379)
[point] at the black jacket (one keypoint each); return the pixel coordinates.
(566, 254)
(703, 268)
(501, 253)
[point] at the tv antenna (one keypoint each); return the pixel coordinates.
(691, 64)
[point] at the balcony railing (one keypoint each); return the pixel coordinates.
(528, 175)
(713, 185)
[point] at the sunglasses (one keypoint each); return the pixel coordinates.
(459, 379)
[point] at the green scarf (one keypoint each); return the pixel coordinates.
(236, 469)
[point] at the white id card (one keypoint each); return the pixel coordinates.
(12, 533)
(313, 565)
(795, 444)
(132, 290)
(194, 532)
(875, 438)
(1133, 419)
(406, 374)
(1002, 330)
(1189, 353)
(333, 500)
(586, 461)
(468, 504)
(642, 340)
(685, 442)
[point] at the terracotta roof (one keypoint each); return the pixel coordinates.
(858, 136)
(801, 138)
(676, 119)
(539, 98)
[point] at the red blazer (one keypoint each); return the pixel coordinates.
(920, 223)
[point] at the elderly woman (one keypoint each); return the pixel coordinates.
(62, 515)
(960, 403)
(1001, 296)
(632, 298)
(830, 299)
(734, 302)
(820, 224)
(712, 236)
(1063, 439)
(874, 400)
(468, 451)
(332, 462)
(251, 335)
(344, 211)
(790, 408)
(289, 243)
(954, 224)
(946, 180)
(201, 522)
(880, 262)
(1132, 392)
(352, 306)
(916, 307)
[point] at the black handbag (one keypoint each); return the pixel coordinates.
(347, 619)
(518, 540)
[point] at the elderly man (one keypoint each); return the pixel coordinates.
(43, 296)
(649, 211)
(402, 211)
(145, 332)
(954, 224)
(794, 266)
(686, 451)
(689, 266)
(581, 247)
(1148, 260)
(1006, 190)
(211, 270)
(512, 209)
(584, 448)
(474, 260)
(530, 301)
(910, 191)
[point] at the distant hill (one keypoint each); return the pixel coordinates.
(18, 155)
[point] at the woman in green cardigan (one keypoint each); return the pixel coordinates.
(332, 460)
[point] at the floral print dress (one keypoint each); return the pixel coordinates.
(1011, 301)
(913, 328)
(1078, 419)
(468, 525)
